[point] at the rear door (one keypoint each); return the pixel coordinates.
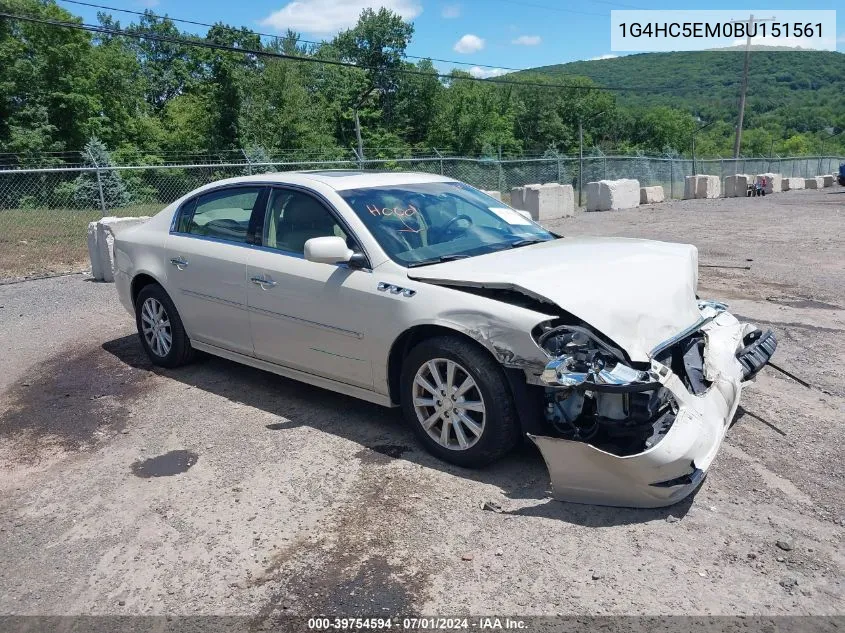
(207, 252)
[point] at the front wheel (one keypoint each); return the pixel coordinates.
(160, 328)
(457, 400)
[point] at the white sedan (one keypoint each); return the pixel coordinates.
(419, 291)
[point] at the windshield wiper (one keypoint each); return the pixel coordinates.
(527, 242)
(437, 260)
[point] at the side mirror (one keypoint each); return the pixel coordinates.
(328, 250)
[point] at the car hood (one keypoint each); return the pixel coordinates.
(636, 292)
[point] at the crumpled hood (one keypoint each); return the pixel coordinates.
(637, 292)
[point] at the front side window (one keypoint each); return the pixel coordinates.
(222, 215)
(292, 218)
(426, 223)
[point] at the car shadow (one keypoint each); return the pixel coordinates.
(381, 433)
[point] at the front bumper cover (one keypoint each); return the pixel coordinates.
(671, 469)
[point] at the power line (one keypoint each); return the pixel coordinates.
(272, 54)
(546, 7)
(274, 36)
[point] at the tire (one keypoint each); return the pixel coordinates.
(179, 351)
(499, 423)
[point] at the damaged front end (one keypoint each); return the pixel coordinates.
(642, 433)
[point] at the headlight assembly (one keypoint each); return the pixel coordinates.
(580, 358)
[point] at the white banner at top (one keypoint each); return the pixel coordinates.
(648, 31)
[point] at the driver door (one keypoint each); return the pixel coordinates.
(305, 315)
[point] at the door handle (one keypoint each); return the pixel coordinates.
(262, 281)
(179, 262)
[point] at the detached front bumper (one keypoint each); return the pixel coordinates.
(671, 469)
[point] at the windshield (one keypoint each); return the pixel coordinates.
(431, 222)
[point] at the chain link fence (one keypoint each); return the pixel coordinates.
(44, 212)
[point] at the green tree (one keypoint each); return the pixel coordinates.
(377, 44)
(46, 101)
(87, 185)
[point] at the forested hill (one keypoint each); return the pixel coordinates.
(800, 90)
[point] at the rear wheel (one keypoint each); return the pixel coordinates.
(457, 400)
(160, 328)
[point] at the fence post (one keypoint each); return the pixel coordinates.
(99, 185)
(501, 172)
(671, 178)
(440, 156)
(248, 162)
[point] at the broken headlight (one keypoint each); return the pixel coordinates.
(579, 357)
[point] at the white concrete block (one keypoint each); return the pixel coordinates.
(651, 195)
(736, 186)
(708, 187)
(494, 194)
(549, 201)
(605, 195)
(792, 184)
(94, 252)
(518, 198)
(828, 181)
(701, 186)
(690, 186)
(773, 182)
(816, 182)
(107, 229)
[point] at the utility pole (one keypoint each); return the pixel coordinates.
(744, 90)
(580, 159)
(694, 132)
(581, 153)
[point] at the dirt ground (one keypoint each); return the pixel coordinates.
(219, 489)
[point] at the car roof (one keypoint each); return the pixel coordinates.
(343, 179)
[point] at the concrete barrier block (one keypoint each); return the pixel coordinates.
(708, 187)
(651, 195)
(606, 195)
(792, 184)
(94, 252)
(494, 194)
(549, 201)
(773, 182)
(107, 229)
(816, 182)
(690, 187)
(701, 186)
(828, 181)
(518, 198)
(736, 186)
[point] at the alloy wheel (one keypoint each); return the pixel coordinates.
(448, 404)
(155, 325)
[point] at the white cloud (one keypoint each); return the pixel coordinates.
(451, 11)
(469, 43)
(486, 73)
(326, 17)
(527, 40)
(605, 56)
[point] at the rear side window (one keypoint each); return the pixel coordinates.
(223, 215)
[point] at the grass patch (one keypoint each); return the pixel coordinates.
(37, 242)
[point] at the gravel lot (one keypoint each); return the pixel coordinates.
(264, 496)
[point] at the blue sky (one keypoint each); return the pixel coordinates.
(497, 33)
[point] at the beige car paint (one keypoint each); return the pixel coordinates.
(334, 326)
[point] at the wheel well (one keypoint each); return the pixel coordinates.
(406, 342)
(138, 283)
